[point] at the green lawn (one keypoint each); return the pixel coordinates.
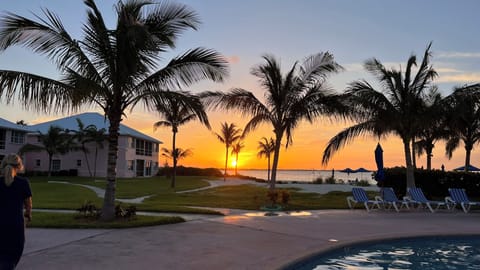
(164, 199)
(62, 220)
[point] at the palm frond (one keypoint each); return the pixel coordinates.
(346, 136)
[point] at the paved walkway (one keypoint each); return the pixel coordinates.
(247, 240)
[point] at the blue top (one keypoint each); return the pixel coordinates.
(12, 200)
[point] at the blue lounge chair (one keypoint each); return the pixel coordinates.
(459, 196)
(360, 196)
(417, 197)
(390, 199)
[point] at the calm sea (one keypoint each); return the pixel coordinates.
(306, 175)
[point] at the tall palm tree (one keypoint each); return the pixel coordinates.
(179, 110)
(266, 148)
(236, 148)
(464, 120)
(228, 135)
(395, 108)
(300, 94)
(55, 142)
(114, 69)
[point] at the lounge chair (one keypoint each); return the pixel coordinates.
(417, 197)
(360, 196)
(390, 199)
(459, 196)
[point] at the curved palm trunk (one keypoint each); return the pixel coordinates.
(174, 152)
(108, 209)
(226, 162)
(408, 161)
(276, 157)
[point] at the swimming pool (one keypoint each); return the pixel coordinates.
(425, 253)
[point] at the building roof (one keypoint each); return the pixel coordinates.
(90, 118)
(10, 125)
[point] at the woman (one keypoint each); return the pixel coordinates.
(15, 195)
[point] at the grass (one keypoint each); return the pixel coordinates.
(163, 199)
(74, 221)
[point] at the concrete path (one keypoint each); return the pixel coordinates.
(247, 240)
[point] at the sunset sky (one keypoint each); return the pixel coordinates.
(353, 31)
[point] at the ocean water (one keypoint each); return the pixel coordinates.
(307, 175)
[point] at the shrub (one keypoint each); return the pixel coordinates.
(319, 180)
(285, 197)
(89, 210)
(433, 183)
(330, 180)
(190, 171)
(272, 196)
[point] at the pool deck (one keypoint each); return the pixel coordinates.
(240, 240)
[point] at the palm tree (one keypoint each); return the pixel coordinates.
(114, 69)
(464, 120)
(177, 111)
(55, 142)
(301, 94)
(228, 135)
(236, 148)
(90, 134)
(394, 109)
(265, 148)
(177, 154)
(433, 128)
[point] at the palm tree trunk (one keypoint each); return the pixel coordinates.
(468, 153)
(95, 163)
(414, 156)
(108, 209)
(49, 165)
(86, 160)
(408, 161)
(226, 162)
(268, 168)
(236, 164)
(429, 151)
(276, 156)
(174, 152)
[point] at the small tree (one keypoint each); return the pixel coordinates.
(229, 134)
(236, 148)
(55, 141)
(266, 148)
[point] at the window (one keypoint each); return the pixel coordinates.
(3, 135)
(56, 165)
(17, 137)
(37, 163)
(79, 163)
(131, 142)
(130, 165)
(148, 168)
(143, 148)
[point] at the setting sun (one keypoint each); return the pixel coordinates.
(234, 163)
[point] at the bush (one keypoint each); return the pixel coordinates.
(319, 180)
(330, 180)
(190, 171)
(434, 183)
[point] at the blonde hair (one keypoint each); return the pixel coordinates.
(10, 165)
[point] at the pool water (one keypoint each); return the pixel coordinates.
(423, 253)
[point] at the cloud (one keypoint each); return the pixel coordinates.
(233, 59)
(460, 78)
(458, 55)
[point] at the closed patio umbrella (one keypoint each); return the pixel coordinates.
(380, 174)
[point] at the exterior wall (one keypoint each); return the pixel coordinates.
(77, 160)
(9, 146)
